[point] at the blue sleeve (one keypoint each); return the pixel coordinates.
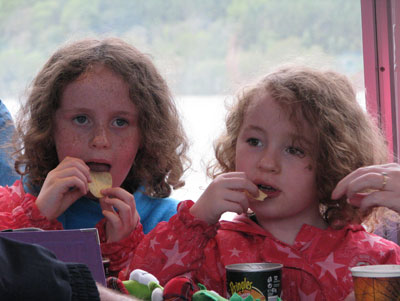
(7, 173)
(154, 210)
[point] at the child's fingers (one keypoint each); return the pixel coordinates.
(122, 195)
(124, 211)
(229, 206)
(233, 174)
(251, 189)
(234, 199)
(113, 218)
(57, 194)
(74, 183)
(70, 162)
(105, 205)
(236, 181)
(61, 186)
(233, 190)
(66, 171)
(120, 210)
(77, 175)
(119, 193)
(121, 220)
(226, 192)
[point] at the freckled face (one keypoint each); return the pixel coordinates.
(273, 154)
(98, 123)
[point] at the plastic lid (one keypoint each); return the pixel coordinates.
(376, 271)
(254, 267)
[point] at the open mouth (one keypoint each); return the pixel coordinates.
(266, 188)
(99, 167)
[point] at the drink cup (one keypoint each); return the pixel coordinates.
(376, 282)
(260, 280)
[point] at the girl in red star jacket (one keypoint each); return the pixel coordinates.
(293, 136)
(97, 106)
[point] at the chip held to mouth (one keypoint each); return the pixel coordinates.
(261, 196)
(100, 180)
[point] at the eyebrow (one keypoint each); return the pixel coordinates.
(254, 128)
(84, 110)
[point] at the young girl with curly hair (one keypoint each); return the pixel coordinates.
(97, 105)
(293, 136)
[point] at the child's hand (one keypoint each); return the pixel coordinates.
(375, 185)
(62, 187)
(226, 193)
(119, 208)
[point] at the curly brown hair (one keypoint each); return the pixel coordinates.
(346, 136)
(161, 159)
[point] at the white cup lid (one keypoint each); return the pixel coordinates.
(376, 271)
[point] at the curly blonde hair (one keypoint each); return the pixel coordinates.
(161, 160)
(347, 137)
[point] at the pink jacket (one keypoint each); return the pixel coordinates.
(316, 266)
(18, 210)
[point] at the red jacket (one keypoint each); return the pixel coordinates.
(18, 210)
(316, 266)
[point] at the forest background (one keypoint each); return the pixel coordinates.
(203, 47)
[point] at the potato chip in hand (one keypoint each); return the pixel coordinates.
(261, 195)
(100, 180)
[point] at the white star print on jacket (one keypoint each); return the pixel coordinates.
(316, 266)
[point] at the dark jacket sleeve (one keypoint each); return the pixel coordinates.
(31, 272)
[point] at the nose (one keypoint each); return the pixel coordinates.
(269, 162)
(100, 138)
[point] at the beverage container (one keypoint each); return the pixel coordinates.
(376, 282)
(260, 280)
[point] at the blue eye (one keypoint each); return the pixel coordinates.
(81, 119)
(120, 122)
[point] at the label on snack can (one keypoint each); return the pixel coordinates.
(260, 280)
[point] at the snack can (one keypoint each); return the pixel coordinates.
(260, 280)
(376, 282)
